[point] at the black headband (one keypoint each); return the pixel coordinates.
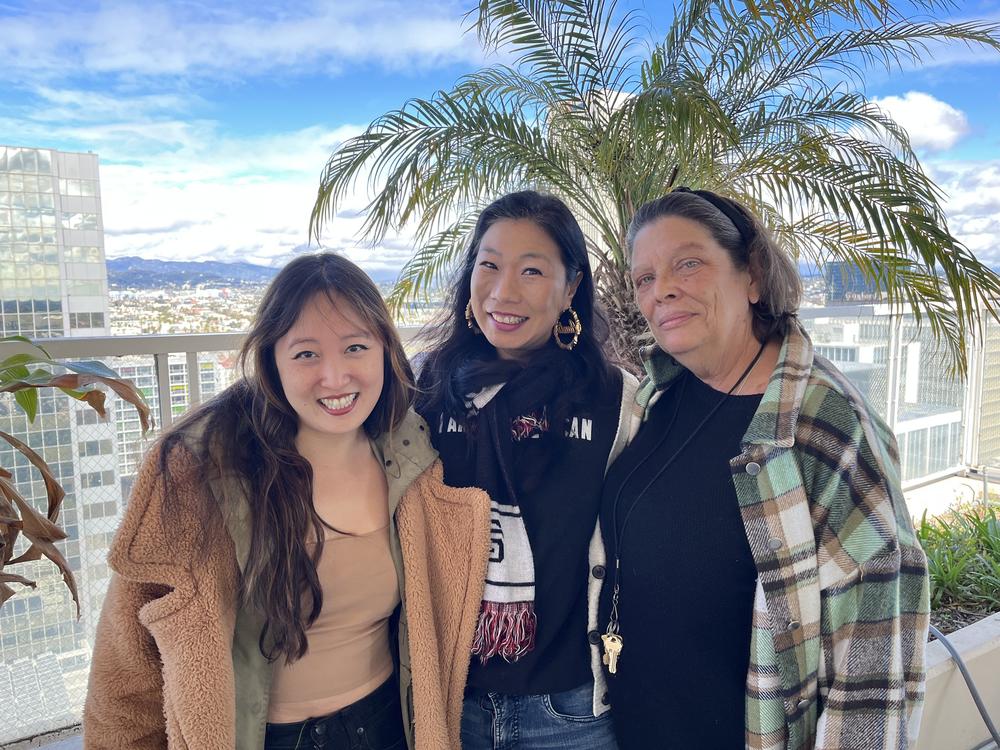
(729, 209)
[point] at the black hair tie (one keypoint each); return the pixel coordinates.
(728, 208)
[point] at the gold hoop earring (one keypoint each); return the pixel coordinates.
(470, 319)
(574, 328)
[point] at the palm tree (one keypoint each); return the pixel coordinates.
(761, 101)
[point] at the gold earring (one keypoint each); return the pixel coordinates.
(574, 328)
(470, 319)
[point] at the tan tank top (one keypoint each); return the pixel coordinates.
(348, 654)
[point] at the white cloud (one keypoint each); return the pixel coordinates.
(73, 105)
(180, 179)
(216, 196)
(933, 125)
(191, 190)
(972, 204)
(130, 39)
(232, 199)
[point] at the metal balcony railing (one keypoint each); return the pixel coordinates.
(44, 648)
(159, 347)
(944, 426)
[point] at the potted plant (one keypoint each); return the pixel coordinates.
(22, 375)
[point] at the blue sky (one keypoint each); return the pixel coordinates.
(213, 120)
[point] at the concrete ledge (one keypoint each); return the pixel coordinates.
(951, 720)
(69, 738)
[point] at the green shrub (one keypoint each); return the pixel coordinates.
(963, 557)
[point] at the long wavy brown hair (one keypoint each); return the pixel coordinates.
(248, 432)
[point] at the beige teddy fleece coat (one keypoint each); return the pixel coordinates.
(162, 673)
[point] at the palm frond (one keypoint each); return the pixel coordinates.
(465, 146)
(906, 283)
(432, 262)
(610, 45)
(545, 38)
(806, 17)
(852, 53)
(761, 100)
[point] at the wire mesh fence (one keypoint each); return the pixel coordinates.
(44, 647)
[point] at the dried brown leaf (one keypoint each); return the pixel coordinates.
(53, 489)
(41, 532)
(48, 549)
(15, 578)
(96, 401)
(10, 527)
(123, 388)
(6, 592)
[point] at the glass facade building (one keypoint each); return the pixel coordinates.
(900, 369)
(53, 283)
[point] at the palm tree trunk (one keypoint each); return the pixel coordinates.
(628, 328)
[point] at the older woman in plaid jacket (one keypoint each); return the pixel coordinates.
(758, 583)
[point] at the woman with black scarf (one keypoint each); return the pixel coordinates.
(523, 404)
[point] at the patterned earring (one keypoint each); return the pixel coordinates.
(470, 319)
(574, 328)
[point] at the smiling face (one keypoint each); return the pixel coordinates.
(697, 303)
(519, 287)
(331, 370)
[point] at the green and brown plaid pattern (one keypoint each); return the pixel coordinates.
(841, 608)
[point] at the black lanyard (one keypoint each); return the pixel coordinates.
(613, 621)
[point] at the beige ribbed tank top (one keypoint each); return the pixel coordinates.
(348, 654)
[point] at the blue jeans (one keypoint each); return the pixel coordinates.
(557, 721)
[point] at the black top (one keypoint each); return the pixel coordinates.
(687, 577)
(559, 516)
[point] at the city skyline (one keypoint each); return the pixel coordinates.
(53, 283)
(213, 124)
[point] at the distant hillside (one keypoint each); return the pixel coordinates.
(140, 273)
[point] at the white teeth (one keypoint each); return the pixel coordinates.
(335, 404)
(508, 319)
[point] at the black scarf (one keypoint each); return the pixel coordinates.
(521, 410)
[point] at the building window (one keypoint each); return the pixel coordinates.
(94, 447)
(99, 510)
(75, 188)
(100, 539)
(97, 478)
(79, 288)
(86, 320)
(83, 254)
(25, 160)
(80, 220)
(88, 416)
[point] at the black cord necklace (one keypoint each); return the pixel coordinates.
(612, 637)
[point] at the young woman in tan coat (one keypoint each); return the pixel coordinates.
(258, 570)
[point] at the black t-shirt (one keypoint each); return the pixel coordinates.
(559, 516)
(687, 576)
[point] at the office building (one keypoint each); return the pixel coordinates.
(53, 283)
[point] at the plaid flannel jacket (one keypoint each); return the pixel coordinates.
(841, 609)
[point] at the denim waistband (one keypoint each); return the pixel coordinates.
(356, 714)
